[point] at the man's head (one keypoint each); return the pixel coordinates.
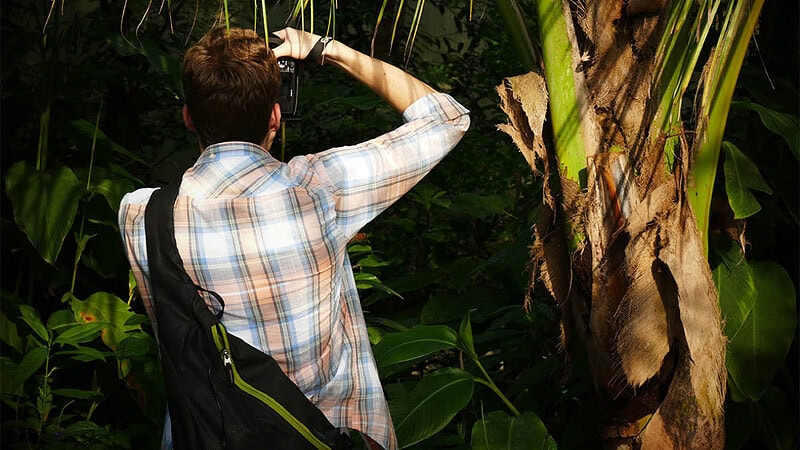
(231, 84)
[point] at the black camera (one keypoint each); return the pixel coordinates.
(290, 82)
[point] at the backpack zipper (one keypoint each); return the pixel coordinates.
(220, 336)
(228, 363)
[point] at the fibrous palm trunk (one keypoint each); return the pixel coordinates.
(616, 242)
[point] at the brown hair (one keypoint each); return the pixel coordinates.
(231, 82)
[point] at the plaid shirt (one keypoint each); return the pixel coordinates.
(271, 239)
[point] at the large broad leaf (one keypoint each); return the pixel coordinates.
(758, 304)
(500, 431)
(44, 205)
(413, 344)
(430, 406)
(107, 309)
(741, 177)
(113, 190)
(737, 294)
(782, 124)
(86, 133)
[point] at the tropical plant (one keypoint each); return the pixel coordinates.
(622, 238)
(443, 273)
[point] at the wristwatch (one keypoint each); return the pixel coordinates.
(319, 47)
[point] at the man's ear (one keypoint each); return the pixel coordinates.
(187, 119)
(275, 118)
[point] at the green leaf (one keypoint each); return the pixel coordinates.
(113, 190)
(413, 344)
(60, 318)
(742, 176)
(369, 281)
(81, 332)
(465, 335)
(389, 324)
(78, 393)
(782, 124)
(430, 406)
(373, 261)
(9, 334)
(109, 309)
(81, 241)
(85, 131)
(759, 346)
(31, 317)
(30, 363)
(137, 345)
(359, 248)
(375, 335)
(137, 319)
(737, 294)
(84, 354)
(44, 205)
(500, 431)
(80, 429)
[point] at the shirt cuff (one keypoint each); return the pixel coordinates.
(435, 105)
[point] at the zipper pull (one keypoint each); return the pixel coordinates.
(228, 363)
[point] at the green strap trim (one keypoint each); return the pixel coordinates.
(221, 341)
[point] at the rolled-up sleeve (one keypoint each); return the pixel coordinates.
(367, 178)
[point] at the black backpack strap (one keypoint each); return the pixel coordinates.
(219, 397)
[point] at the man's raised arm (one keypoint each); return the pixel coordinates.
(396, 87)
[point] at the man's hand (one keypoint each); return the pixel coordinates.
(396, 87)
(296, 44)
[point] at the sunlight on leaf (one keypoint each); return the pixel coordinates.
(44, 205)
(414, 344)
(109, 310)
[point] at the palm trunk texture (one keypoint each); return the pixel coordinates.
(616, 241)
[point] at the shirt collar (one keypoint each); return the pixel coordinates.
(232, 169)
(235, 149)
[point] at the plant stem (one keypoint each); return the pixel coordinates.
(44, 131)
(490, 384)
(494, 389)
(45, 382)
(569, 118)
(724, 69)
(79, 249)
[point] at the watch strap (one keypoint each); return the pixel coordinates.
(319, 47)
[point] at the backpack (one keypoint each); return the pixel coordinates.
(222, 393)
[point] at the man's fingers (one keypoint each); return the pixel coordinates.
(296, 43)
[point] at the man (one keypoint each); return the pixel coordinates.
(271, 237)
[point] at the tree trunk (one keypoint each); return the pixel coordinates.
(618, 246)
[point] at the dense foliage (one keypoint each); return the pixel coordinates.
(91, 110)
